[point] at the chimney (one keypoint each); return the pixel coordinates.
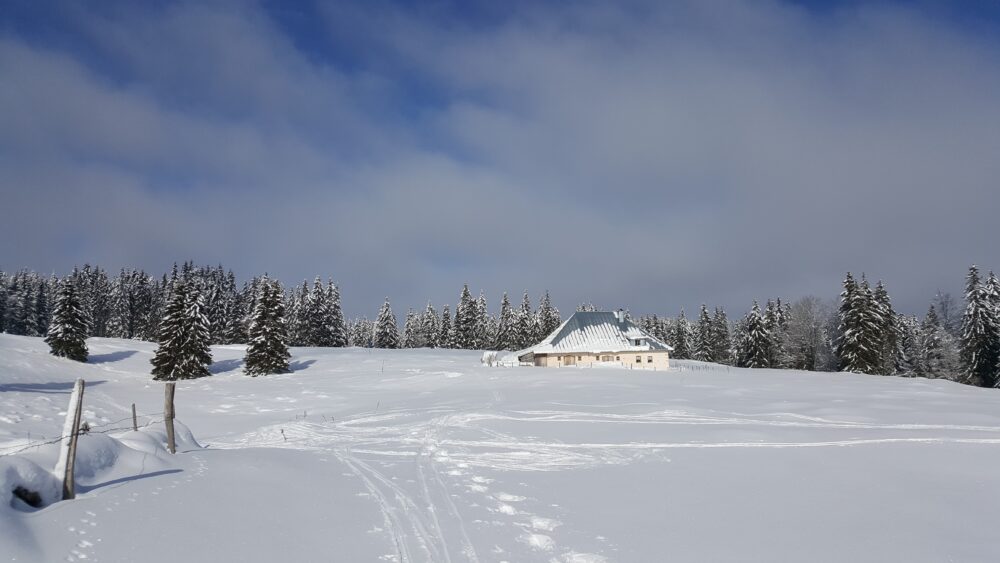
(620, 315)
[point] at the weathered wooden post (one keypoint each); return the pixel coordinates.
(67, 450)
(135, 423)
(168, 416)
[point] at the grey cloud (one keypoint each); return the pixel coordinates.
(643, 156)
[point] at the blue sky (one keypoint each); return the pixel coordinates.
(640, 154)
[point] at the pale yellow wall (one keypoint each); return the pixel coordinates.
(661, 360)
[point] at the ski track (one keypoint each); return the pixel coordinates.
(424, 521)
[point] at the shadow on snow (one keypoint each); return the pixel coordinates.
(110, 357)
(120, 480)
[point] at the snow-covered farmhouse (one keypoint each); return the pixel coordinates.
(598, 337)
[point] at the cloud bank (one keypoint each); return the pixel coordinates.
(635, 155)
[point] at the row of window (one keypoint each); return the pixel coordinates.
(638, 359)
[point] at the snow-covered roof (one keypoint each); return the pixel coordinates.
(596, 332)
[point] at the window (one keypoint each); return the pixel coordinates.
(578, 358)
(638, 342)
(649, 359)
(638, 359)
(618, 358)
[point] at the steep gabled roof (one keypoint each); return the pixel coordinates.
(595, 332)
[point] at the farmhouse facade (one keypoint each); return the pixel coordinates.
(598, 337)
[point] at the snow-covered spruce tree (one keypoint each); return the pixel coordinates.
(466, 320)
(67, 333)
(16, 310)
(889, 332)
(318, 316)
(721, 347)
(295, 314)
(907, 345)
(548, 317)
(411, 336)
(183, 352)
(702, 350)
(361, 333)
(776, 322)
(484, 335)
(682, 338)
(267, 351)
(230, 299)
(505, 337)
(386, 332)
(4, 283)
(978, 346)
(338, 327)
(32, 326)
(756, 341)
(235, 328)
(429, 327)
(525, 324)
(446, 335)
(858, 348)
(992, 286)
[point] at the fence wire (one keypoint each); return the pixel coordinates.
(14, 450)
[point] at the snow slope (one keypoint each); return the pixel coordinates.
(424, 455)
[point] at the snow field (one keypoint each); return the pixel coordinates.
(425, 455)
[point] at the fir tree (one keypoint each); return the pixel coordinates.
(4, 282)
(484, 330)
(361, 333)
(703, 337)
(67, 334)
(858, 348)
(466, 321)
(992, 287)
(183, 352)
(18, 298)
(319, 318)
(386, 331)
(446, 336)
(429, 327)
(267, 351)
(238, 310)
(505, 337)
(525, 327)
(298, 325)
(682, 337)
(889, 333)
(411, 337)
(756, 341)
(978, 355)
(338, 327)
(548, 317)
(721, 346)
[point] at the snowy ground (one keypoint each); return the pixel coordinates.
(425, 455)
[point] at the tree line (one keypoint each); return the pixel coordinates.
(193, 307)
(862, 333)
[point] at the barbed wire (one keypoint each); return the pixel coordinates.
(14, 450)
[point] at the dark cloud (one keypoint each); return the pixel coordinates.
(643, 156)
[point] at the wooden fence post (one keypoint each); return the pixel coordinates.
(67, 450)
(168, 416)
(135, 423)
